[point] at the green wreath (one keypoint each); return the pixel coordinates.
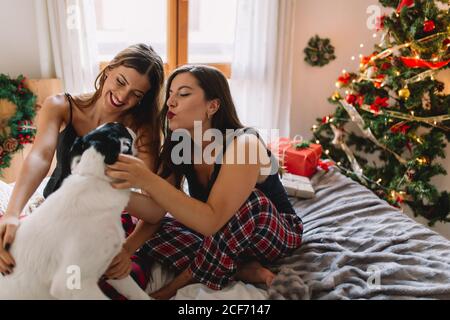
(319, 52)
(17, 111)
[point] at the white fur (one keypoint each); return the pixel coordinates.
(78, 225)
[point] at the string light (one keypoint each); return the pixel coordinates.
(379, 181)
(327, 152)
(361, 45)
(317, 142)
(353, 58)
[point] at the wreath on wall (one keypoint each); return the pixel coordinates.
(17, 111)
(319, 52)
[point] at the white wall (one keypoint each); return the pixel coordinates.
(345, 23)
(19, 53)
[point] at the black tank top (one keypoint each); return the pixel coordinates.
(65, 140)
(271, 187)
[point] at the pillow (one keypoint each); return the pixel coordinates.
(36, 199)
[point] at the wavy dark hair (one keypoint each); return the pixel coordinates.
(215, 86)
(145, 115)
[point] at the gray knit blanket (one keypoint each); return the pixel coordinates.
(357, 246)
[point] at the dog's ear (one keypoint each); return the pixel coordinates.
(75, 153)
(77, 148)
(110, 150)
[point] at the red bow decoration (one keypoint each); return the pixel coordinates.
(400, 127)
(404, 3)
(379, 103)
(345, 78)
(420, 63)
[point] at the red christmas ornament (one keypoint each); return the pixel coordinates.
(386, 66)
(351, 99)
(360, 99)
(429, 26)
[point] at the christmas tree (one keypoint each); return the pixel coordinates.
(392, 118)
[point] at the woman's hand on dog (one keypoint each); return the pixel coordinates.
(8, 228)
(120, 267)
(131, 172)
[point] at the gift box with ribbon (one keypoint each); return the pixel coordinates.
(297, 186)
(297, 156)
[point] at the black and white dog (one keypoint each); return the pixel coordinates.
(66, 245)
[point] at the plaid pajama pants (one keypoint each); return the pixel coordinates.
(256, 232)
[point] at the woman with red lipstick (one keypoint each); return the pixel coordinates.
(128, 90)
(237, 217)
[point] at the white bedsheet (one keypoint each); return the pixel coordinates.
(235, 291)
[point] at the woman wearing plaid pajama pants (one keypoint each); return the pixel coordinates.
(237, 217)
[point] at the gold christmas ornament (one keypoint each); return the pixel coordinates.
(404, 93)
(336, 96)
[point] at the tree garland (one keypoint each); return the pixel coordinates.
(17, 110)
(319, 52)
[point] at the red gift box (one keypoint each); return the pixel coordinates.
(297, 160)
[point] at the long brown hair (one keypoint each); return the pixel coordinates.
(215, 86)
(145, 115)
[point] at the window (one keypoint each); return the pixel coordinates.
(211, 32)
(181, 31)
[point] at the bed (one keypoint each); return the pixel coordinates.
(355, 246)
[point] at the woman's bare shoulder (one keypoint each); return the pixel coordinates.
(56, 107)
(56, 102)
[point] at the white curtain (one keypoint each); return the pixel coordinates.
(72, 30)
(261, 79)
